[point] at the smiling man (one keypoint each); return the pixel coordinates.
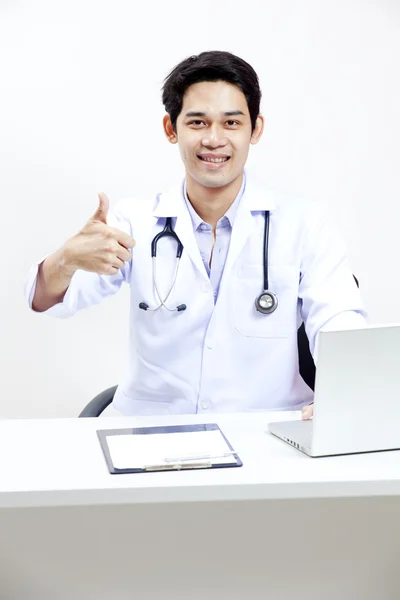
(222, 271)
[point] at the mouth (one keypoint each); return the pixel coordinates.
(213, 161)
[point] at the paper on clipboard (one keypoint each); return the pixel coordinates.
(139, 451)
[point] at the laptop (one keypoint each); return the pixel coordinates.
(357, 395)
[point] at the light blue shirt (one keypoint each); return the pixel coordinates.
(204, 238)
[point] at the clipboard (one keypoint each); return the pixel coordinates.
(110, 439)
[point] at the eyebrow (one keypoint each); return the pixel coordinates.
(228, 113)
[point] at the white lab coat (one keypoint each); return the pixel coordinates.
(223, 357)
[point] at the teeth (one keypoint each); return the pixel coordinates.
(215, 160)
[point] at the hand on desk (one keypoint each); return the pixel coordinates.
(307, 412)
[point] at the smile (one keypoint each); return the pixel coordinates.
(214, 160)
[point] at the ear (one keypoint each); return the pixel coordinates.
(169, 130)
(258, 130)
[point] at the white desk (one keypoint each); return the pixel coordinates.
(282, 526)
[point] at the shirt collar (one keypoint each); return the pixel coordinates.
(230, 213)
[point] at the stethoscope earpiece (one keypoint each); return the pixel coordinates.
(266, 302)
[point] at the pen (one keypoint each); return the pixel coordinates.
(178, 466)
(169, 459)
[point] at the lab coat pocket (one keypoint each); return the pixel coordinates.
(284, 283)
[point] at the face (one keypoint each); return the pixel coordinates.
(213, 132)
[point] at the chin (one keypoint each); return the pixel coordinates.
(215, 180)
(213, 183)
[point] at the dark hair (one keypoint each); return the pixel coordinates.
(211, 66)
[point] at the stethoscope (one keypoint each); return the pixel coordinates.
(265, 303)
(166, 232)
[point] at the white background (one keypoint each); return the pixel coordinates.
(80, 112)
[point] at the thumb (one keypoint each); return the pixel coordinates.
(102, 209)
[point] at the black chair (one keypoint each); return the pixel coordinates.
(306, 369)
(99, 403)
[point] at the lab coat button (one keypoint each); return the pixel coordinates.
(204, 404)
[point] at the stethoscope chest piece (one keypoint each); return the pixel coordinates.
(266, 302)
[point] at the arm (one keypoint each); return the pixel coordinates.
(330, 298)
(53, 279)
(89, 266)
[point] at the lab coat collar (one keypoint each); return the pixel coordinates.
(172, 204)
(255, 198)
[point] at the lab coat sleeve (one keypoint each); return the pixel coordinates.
(329, 296)
(86, 289)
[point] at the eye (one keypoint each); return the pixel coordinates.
(232, 123)
(196, 122)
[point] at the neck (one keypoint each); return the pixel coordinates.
(212, 203)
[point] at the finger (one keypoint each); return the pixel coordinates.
(117, 263)
(123, 238)
(307, 412)
(102, 209)
(123, 253)
(110, 270)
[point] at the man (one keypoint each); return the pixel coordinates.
(204, 337)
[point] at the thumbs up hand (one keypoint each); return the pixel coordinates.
(98, 248)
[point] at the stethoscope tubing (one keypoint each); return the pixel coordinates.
(265, 303)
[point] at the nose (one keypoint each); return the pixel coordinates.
(215, 138)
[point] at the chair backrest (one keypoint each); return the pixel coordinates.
(96, 406)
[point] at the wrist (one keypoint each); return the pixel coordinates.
(66, 261)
